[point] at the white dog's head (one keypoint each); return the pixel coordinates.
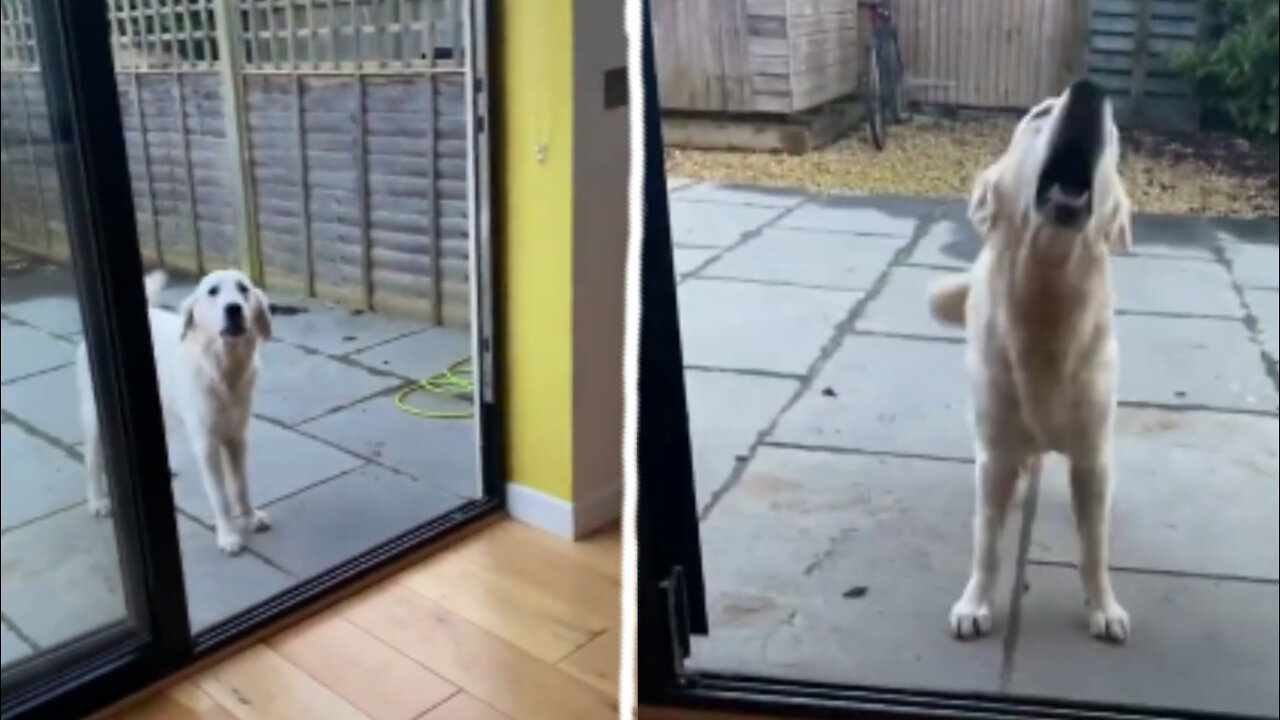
(1059, 178)
(226, 305)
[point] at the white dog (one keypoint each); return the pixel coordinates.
(207, 362)
(1042, 353)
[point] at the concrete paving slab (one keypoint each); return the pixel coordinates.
(336, 330)
(1255, 266)
(727, 414)
(703, 224)
(743, 195)
(1265, 306)
(337, 520)
(419, 355)
(1173, 236)
(37, 478)
(174, 293)
(687, 259)
(24, 351)
(1180, 477)
(814, 259)
(902, 307)
(855, 562)
(47, 402)
(1198, 644)
(749, 326)
(886, 395)
(281, 463)
(12, 648)
(57, 315)
(62, 577)
(678, 183)
(1192, 362)
(843, 218)
(220, 586)
(1260, 231)
(295, 386)
(1174, 286)
(439, 452)
(949, 244)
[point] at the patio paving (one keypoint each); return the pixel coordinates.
(335, 462)
(827, 411)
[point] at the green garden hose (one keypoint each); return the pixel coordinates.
(454, 382)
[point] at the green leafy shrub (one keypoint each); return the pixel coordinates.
(1238, 70)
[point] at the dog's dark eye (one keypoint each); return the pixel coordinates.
(213, 291)
(1041, 112)
(244, 289)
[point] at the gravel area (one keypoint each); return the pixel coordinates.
(1199, 174)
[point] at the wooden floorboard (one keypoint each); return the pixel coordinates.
(511, 624)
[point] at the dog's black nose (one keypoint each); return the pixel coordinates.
(234, 313)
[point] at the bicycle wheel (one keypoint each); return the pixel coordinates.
(899, 100)
(877, 129)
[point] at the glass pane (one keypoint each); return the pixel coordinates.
(834, 441)
(362, 424)
(61, 570)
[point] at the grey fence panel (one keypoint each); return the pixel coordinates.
(354, 168)
(1128, 50)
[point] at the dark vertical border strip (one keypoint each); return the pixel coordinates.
(667, 518)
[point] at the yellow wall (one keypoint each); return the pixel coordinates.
(536, 109)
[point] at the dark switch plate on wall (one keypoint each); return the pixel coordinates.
(615, 88)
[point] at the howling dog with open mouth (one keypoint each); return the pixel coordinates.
(1041, 348)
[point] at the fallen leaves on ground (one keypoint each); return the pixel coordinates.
(938, 158)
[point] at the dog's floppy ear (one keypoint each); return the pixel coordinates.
(187, 311)
(260, 314)
(1118, 230)
(984, 200)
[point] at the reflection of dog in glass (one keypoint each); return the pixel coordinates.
(206, 361)
(1042, 353)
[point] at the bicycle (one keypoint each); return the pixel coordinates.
(885, 87)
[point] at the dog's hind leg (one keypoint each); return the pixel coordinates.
(257, 520)
(1091, 500)
(995, 478)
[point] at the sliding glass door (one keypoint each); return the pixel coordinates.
(807, 495)
(93, 592)
(340, 157)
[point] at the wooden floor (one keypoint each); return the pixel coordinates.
(510, 624)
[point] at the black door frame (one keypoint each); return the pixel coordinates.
(92, 673)
(671, 600)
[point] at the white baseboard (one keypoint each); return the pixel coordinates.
(569, 520)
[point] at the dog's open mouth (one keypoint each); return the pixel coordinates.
(1064, 190)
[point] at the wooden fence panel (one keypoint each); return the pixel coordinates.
(987, 53)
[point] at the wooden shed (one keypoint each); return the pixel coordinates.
(755, 56)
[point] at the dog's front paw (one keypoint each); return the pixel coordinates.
(230, 541)
(259, 521)
(100, 507)
(1109, 623)
(970, 619)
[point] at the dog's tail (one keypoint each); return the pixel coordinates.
(153, 283)
(948, 296)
